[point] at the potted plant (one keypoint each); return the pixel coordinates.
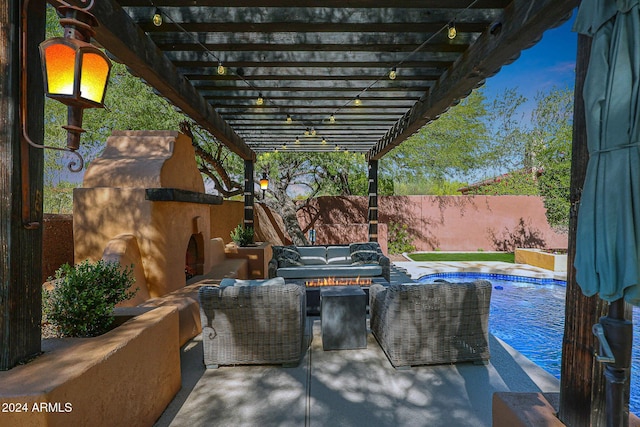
(83, 298)
(242, 236)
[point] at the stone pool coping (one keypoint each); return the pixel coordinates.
(417, 269)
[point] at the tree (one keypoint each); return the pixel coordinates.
(455, 146)
(551, 136)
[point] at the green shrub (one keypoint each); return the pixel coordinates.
(81, 303)
(242, 236)
(399, 240)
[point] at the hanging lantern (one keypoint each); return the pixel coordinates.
(76, 73)
(264, 183)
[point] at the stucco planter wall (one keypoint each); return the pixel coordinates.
(127, 376)
(542, 259)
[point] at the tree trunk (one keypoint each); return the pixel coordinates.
(287, 209)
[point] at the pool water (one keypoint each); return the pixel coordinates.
(528, 314)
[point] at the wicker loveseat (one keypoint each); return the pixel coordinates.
(431, 323)
(253, 324)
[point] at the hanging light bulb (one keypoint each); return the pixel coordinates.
(324, 141)
(157, 18)
(297, 140)
(284, 146)
(357, 102)
(332, 119)
(289, 119)
(313, 132)
(337, 148)
(221, 69)
(260, 99)
(451, 31)
(306, 132)
(393, 73)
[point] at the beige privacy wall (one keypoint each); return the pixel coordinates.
(112, 205)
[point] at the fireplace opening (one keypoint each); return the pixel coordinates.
(194, 257)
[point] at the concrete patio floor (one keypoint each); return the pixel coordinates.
(353, 387)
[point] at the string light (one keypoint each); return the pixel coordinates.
(297, 140)
(324, 141)
(337, 148)
(451, 31)
(393, 73)
(289, 119)
(306, 132)
(332, 119)
(284, 146)
(221, 69)
(357, 102)
(157, 18)
(260, 100)
(313, 132)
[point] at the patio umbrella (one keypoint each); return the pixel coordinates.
(608, 236)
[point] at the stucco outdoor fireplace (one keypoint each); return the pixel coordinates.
(143, 203)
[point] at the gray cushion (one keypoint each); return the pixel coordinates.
(338, 255)
(239, 282)
(287, 256)
(313, 255)
(364, 253)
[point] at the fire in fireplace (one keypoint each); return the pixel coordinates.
(335, 281)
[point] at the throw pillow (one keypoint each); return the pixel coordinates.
(364, 253)
(274, 281)
(287, 256)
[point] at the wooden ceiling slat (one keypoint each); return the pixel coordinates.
(302, 19)
(404, 4)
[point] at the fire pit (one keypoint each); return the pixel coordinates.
(313, 287)
(336, 281)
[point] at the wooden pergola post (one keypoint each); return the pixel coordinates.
(248, 193)
(373, 200)
(21, 265)
(582, 398)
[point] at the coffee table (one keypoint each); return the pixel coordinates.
(343, 317)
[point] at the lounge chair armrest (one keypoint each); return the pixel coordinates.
(385, 263)
(272, 268)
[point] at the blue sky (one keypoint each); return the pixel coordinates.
(549, 63)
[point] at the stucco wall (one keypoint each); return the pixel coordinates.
(464, 223)
(226, 217)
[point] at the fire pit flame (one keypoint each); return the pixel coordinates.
(333, 281)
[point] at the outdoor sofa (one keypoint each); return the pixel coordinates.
(431, 323)
(305, 262)
(253, 322)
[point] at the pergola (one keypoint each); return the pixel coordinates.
(322, 73)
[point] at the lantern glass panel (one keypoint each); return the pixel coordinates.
(93, 78)
(60, 62)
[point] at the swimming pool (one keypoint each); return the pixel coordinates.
(528, 314)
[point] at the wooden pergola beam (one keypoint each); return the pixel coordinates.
(326, 3)
(523, 21)
(123, 38)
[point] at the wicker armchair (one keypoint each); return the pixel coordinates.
(423, 324)
(253, 324)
